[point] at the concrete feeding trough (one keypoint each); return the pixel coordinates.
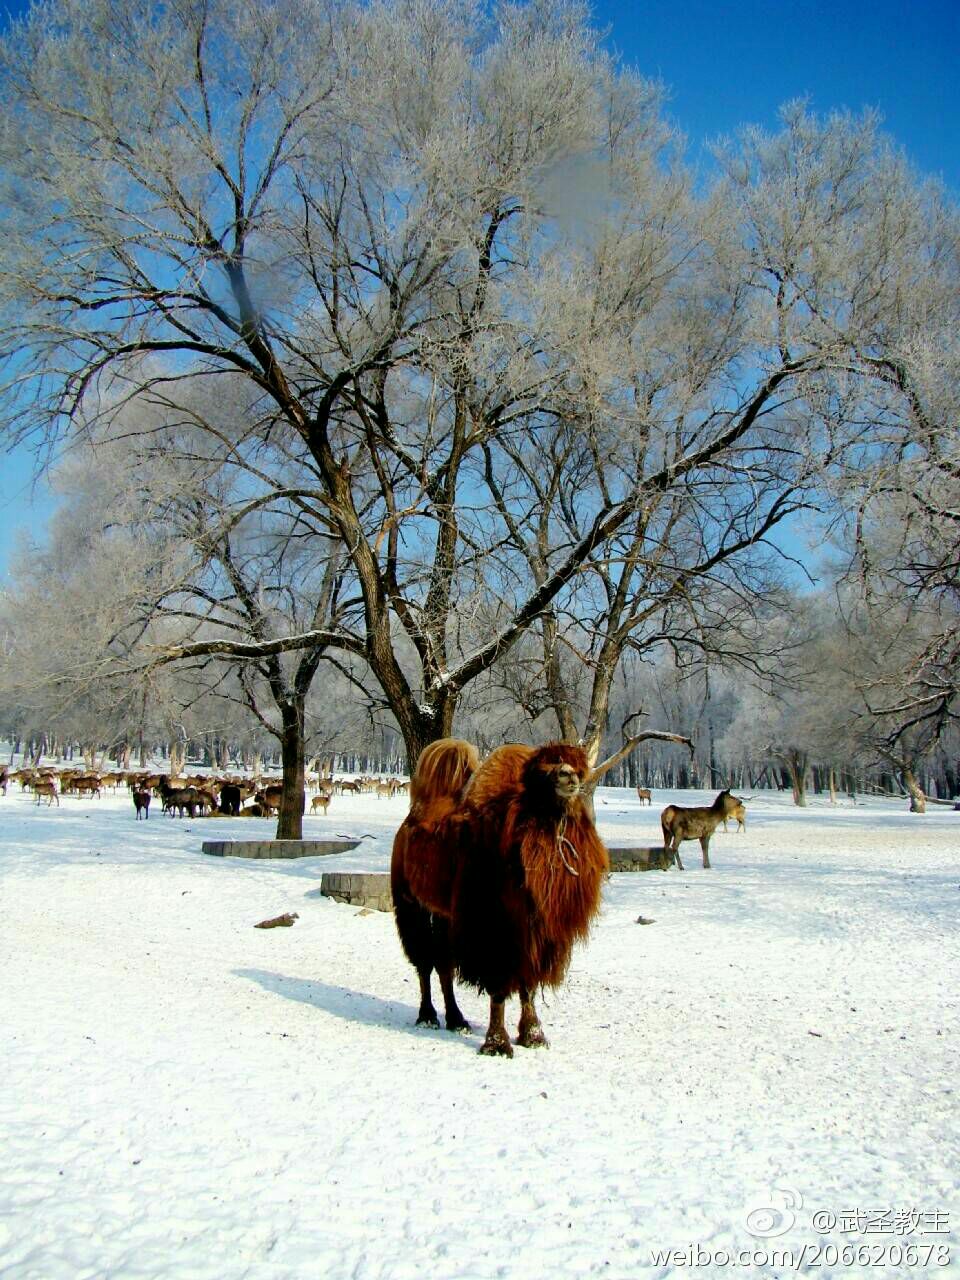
(359, 888)
(277, 848)
(642, 858)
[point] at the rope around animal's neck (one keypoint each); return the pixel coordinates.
(564, 845)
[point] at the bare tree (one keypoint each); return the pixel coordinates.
(902, 665)
(239, 557)
(438, 245)
(66, 601)
(900, 588)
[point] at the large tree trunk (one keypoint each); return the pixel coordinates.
(290, 821)
(421, 723)
(918, 801)
(797, 768)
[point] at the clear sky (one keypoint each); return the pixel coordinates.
(733, 62)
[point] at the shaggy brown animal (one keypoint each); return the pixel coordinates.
(421, 872)
(515, 866)
(680, 824)
(230, 797)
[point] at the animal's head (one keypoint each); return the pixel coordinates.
(555, 775)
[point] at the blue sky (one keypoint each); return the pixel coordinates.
(733, 62)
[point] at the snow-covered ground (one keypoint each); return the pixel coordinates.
(183, 1095)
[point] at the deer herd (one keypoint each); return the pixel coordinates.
(200, 795)
(196, 796)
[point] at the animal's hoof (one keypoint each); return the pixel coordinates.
(429, 1020)
(458, 1024)
(497, 1047)
(533, 1038)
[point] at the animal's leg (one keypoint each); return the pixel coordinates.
(705, 846)
(417, 939)
(497, 1041)
(443, 963)
(427, 1016)
(671, 843)
(530, 1032)
(454, 1019)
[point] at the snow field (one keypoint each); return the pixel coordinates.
(187, 1096)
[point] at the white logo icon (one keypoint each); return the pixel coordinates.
(773, 1214)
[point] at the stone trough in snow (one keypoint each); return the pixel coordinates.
(277, 848)
(359, 888)
(642, 858)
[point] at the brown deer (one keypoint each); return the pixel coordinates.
(681, 824)
(736, 809)
(179, 799)
(269, 797)
(141, 800)
(322, 801)
(206, 801)
(48, 788)
(644, 794)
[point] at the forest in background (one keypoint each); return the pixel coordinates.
(809, 729)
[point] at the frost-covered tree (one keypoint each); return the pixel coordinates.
(532, 376)
(901, 588)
